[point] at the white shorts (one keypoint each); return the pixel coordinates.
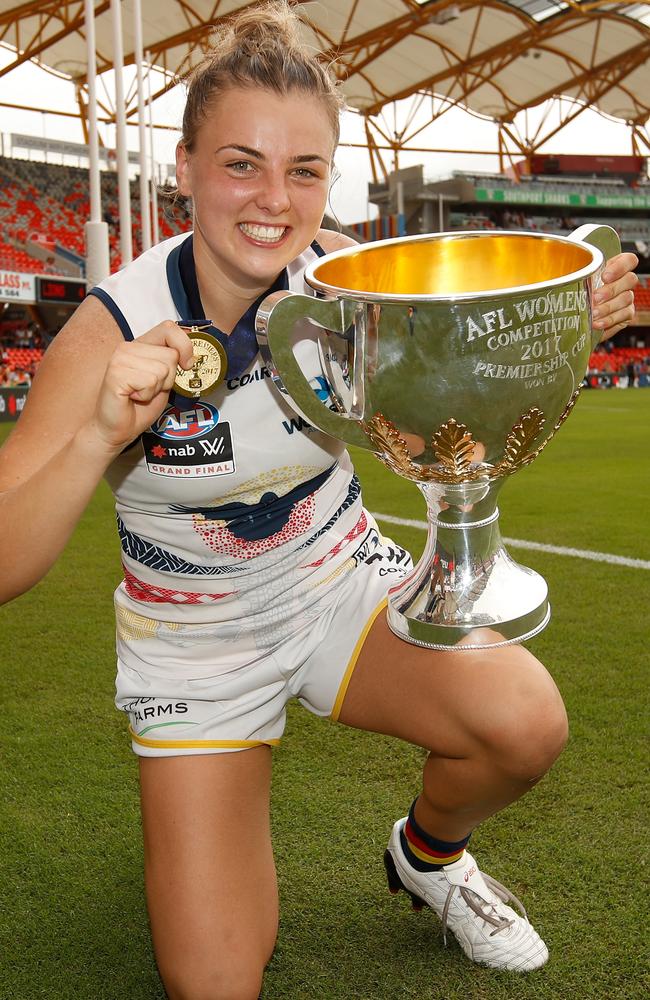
(183, 696)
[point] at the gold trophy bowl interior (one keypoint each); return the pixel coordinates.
(452, 267)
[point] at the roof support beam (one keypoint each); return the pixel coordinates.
(34, 50)
(461, 70)
(486, 64)
(83, 114)
(640, 139)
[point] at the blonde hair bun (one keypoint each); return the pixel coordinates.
(259, 47)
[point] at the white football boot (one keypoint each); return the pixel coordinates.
(473, 906)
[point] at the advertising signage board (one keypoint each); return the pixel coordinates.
(12, 401)
(15, 286)
(60, 290)
(522, 195)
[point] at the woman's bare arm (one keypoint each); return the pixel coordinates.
(92, 395)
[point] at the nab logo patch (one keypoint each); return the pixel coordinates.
(189, 443)
(176, 424)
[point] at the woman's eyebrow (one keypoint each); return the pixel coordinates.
(307, 157)
(241, 149)
(301, 158)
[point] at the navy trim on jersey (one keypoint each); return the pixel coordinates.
(175, 280)
(188, 279)
(147, 554)
(353, 494)
(317, 248)
(114, 310)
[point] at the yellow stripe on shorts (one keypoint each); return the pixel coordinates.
(347, 677)
(145, 741)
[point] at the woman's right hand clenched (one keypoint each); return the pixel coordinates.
(137, 382)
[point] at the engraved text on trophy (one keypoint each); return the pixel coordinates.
(530, 339)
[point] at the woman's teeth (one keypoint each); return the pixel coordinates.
(263, 234)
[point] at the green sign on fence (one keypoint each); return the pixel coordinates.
(523, 195)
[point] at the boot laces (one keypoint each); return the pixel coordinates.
(483, 908)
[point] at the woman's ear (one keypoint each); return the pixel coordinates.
(183, 171)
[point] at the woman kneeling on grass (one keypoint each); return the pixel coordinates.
(231, 602)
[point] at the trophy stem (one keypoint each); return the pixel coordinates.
(465, 581)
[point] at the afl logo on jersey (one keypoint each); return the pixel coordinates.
(182, 424)
(189, 441)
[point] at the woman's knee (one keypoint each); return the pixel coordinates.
(218, 982)
(526, 728)
(531, 745)
(233, 970)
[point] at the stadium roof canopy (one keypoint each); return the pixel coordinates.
(495, 59)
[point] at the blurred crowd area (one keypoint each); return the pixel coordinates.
(620, 367)
(44, 208)
(629, 230)
(22, 346)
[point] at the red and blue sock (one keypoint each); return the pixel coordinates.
(424, 852)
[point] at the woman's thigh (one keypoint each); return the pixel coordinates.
(210, 875)
(454, 703)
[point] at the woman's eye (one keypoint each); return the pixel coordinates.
(241, 166)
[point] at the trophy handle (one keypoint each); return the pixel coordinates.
(274, 324)
(605, 239)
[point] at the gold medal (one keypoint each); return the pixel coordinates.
(209, 368)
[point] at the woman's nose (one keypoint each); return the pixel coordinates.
(273, 195)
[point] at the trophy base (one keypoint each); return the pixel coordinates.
(466, 592)
(482, 635)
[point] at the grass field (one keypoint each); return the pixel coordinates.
(72, 917)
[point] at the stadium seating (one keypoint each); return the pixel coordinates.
(15, 259)
(642, 296)
(21, 357)
(49, 205)
(618, 359)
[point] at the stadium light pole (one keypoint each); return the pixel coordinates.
(126, 244)
(145, 215)
(96, 231)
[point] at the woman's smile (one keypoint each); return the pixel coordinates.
(264, 234)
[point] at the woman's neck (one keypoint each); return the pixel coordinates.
(225, 299)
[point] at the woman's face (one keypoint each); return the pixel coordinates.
(258, 176)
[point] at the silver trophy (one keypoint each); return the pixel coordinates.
(455, 358)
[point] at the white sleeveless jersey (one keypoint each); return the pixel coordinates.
(231, 509)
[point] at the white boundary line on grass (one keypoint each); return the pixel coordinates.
(518, 543)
